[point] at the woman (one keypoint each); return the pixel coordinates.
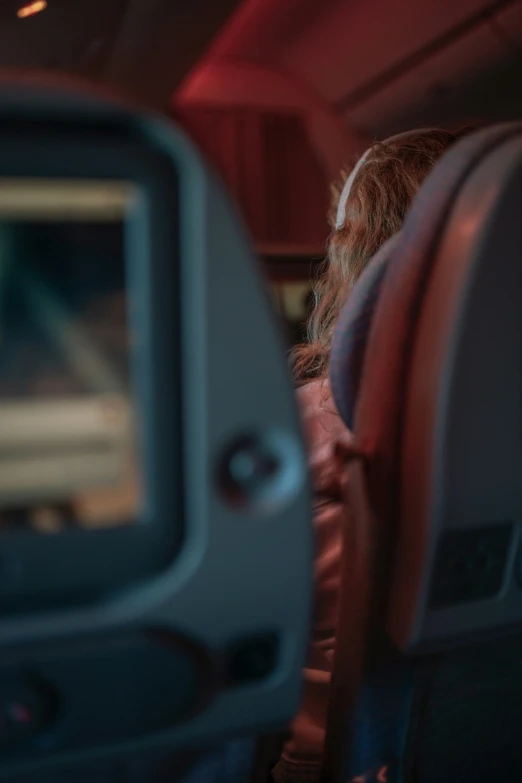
(369, 209)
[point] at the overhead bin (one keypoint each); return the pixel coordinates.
(508, 22)
(443, 89)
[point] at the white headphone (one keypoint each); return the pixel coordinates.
(345, 193)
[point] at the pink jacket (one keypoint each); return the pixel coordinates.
(323, 428)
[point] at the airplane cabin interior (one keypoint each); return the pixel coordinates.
(167, 180)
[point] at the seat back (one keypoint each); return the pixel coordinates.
(425, 684)
(162, 642)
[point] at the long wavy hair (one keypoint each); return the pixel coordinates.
(380, 196)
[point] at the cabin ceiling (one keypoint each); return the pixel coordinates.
(144, 47)
(381, 64)
(385, 65)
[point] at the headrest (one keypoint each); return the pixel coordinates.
(351, 334)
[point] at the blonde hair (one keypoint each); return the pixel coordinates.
(379, 198)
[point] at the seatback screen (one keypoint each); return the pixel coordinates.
(68, 418)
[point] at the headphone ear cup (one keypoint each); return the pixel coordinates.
(352, 331)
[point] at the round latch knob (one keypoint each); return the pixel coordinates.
(260, 471)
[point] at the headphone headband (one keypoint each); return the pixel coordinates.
(345, 193)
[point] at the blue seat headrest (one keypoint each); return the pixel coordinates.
(352, 330)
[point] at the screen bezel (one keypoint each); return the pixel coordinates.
(79, 566)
